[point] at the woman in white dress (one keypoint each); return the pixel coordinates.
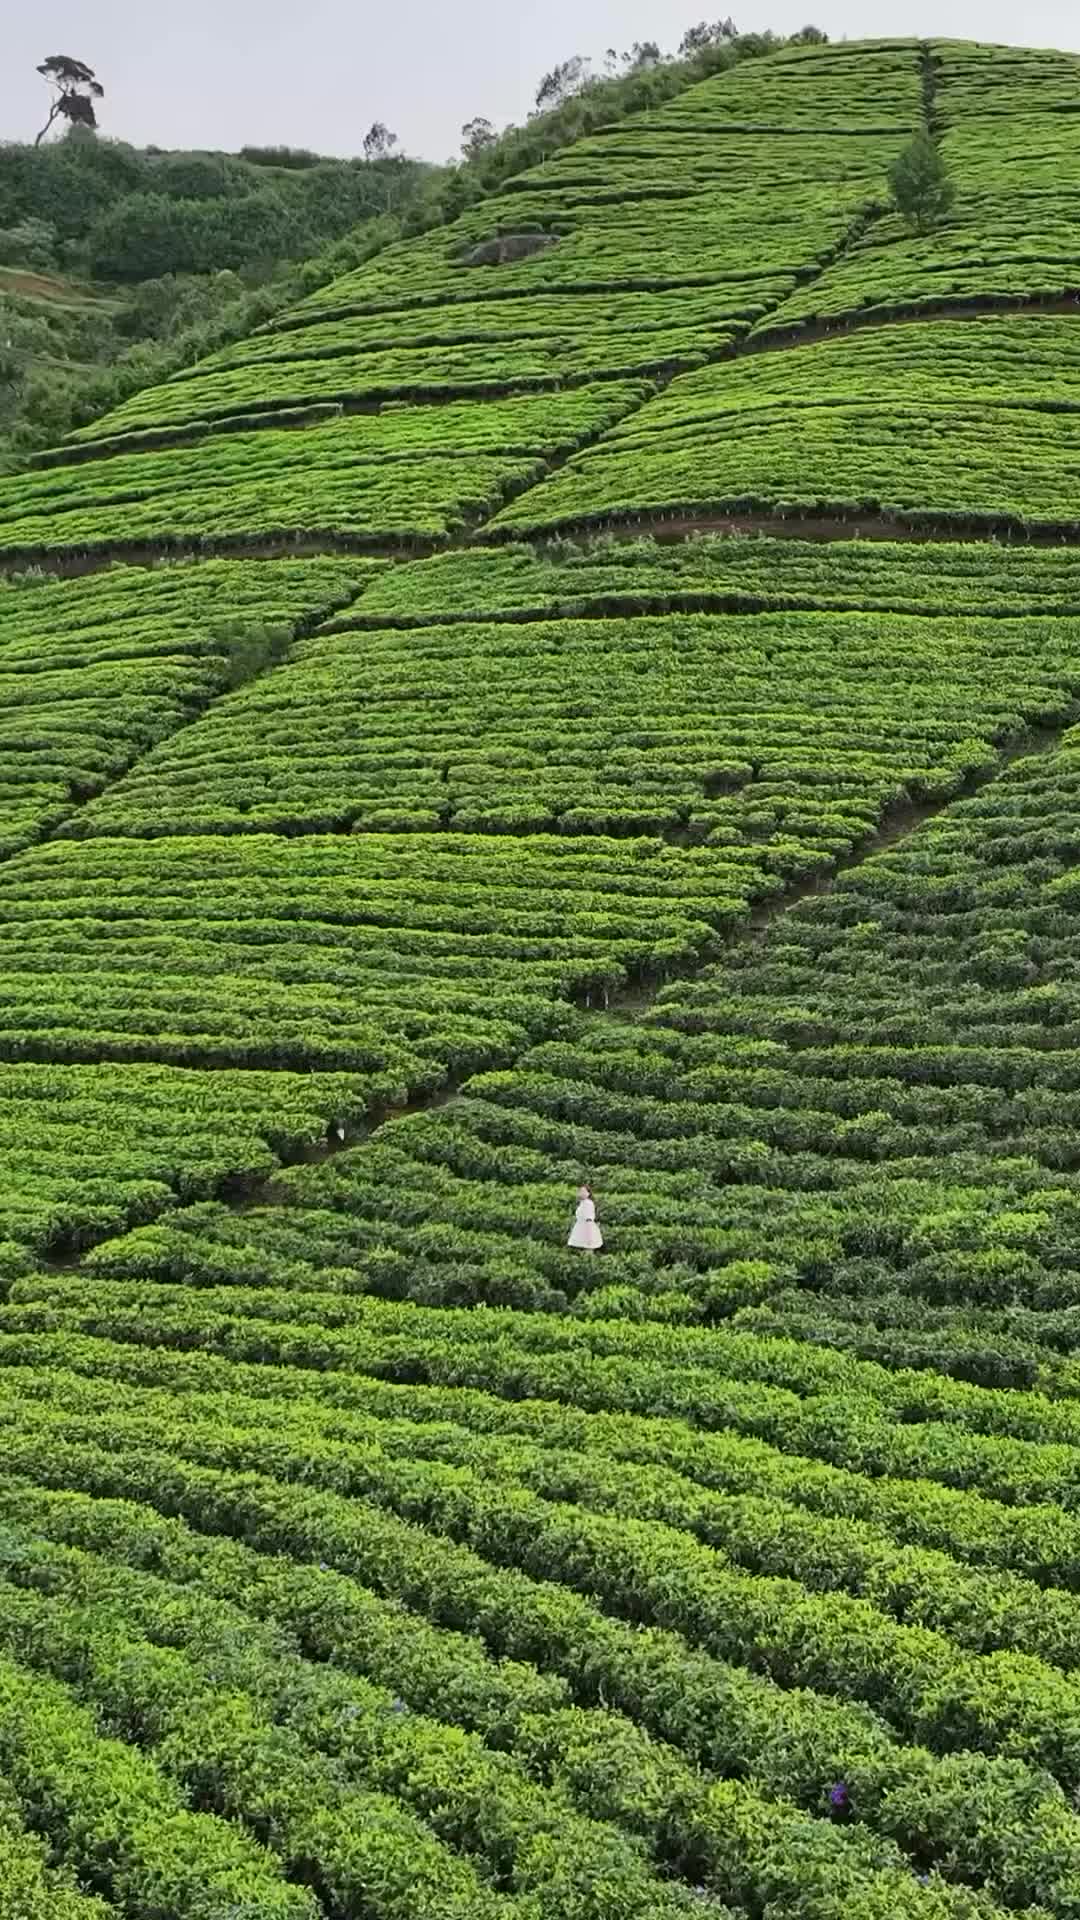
(585, 1232)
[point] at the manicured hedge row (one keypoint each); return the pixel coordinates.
(725, 1831)
(765, 1536)
(94, 672)
(1041, 1542)
(920, 1679)
(33, 1889)
(347, 1759)
(89, 1150)
(792, 1743)
(908, 1425)
(712, 727)
(113, 1815)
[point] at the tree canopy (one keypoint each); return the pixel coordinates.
(75, 87)
(379, 142)
(921, 188)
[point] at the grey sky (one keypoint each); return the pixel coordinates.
(315, 73)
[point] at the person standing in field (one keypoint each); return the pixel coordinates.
(585, 1233)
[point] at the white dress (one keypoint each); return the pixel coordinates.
(585, 1232)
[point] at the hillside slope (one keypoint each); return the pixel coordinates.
(377, 865)
(119, 263)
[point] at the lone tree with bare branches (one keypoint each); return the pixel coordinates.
(74, 88)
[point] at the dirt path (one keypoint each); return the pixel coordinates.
(819, 526)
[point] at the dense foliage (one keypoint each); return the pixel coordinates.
(365, 1548)
(118, 264)
(892, 419)
(93, 672)
(119, 213)
(1004, 124)
(403, 475)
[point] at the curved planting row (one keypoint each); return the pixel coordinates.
(363, 1547)
(890, 421)
(787, 733)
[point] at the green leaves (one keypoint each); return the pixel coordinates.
(95, 671)
(414, 473)
(919, 181)
(885, 421)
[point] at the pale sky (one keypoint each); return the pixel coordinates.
(316, 73)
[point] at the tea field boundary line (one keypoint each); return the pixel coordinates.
(823, 525)
(72, 563)
(927, 313)
(664, 527)
(928, 79)
(628, 606)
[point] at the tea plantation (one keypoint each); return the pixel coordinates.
(591, 696)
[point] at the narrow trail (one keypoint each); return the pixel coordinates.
(73, 563)
(823, 525)
(765, 339)
(928, 77)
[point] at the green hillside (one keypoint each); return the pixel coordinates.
(591, 694)
(119, 264)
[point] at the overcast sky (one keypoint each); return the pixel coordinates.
(316, 73)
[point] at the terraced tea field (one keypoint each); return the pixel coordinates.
(382, 855)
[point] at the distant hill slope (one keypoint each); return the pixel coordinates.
(117, 264)
(169, 254)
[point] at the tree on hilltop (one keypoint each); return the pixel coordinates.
(379, 142)
(706, 34)
(565, 79)
(379, 151)
(921, 188)
(476, 137)
(641, 58)
(75, 88)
